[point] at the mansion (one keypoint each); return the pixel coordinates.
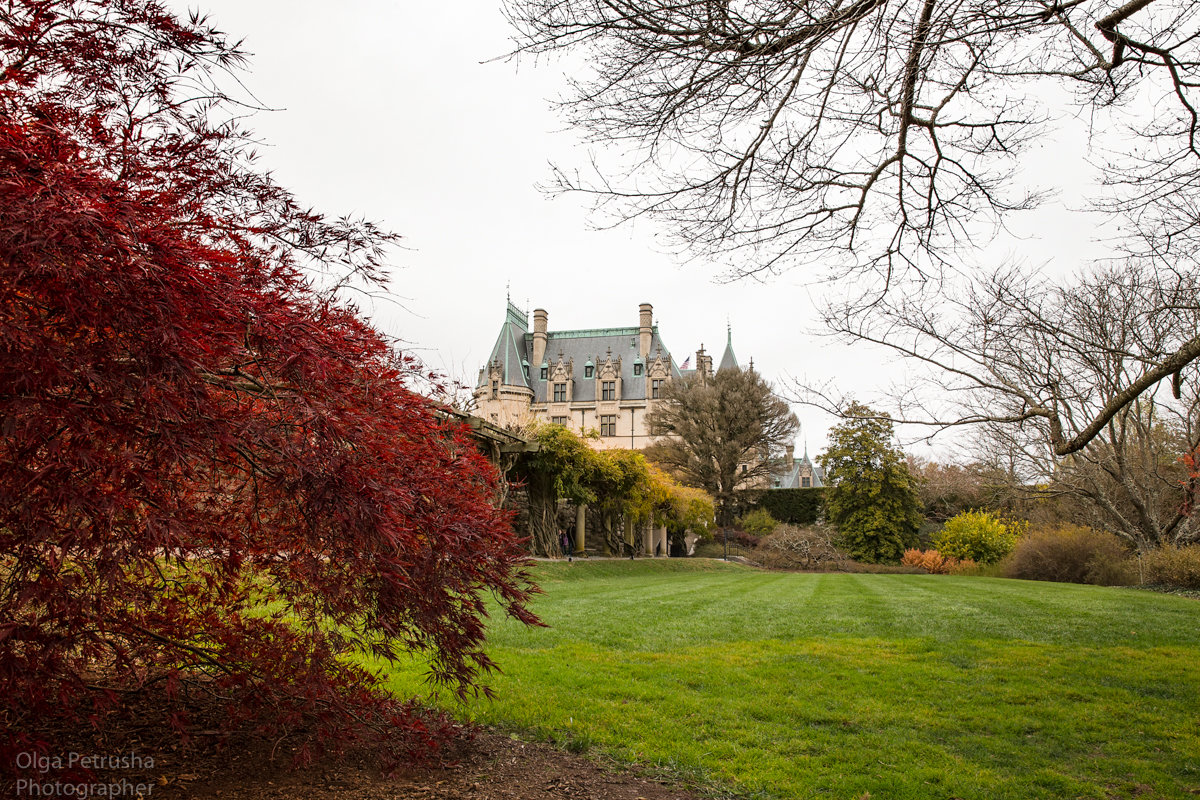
(602, 379)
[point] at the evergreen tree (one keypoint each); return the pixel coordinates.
(870, 496)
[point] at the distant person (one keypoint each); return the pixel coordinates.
(567, 545)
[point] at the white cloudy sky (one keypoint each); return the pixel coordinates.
(400, 112)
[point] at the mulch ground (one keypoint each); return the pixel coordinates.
(492, 766)
(481, 765)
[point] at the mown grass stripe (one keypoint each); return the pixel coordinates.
(837, 685)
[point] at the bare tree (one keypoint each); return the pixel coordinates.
(1086, 369)
(1130, 480)
(882, 139)
(722, 434)
(947, 489)
(787, 129)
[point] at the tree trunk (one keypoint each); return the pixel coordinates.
(543, 517)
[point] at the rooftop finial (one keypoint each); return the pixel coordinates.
(508, 292)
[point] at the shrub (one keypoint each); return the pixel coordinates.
(880, 569)
(980, 536)
(1071, 554)
(709, 548)
(1173, 566)
(716, 546)
(934, 562)
(744, 539)
(968, 567)
(793, 547)
(801, 506)
(758, 522)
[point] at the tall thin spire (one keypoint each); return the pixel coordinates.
(728, 359)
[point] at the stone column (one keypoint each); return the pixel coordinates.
(580, 529)
(648, 540)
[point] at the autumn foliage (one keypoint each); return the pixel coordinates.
(935, 563)
(212, 475)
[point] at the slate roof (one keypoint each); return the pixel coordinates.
(728, 359)
(513, 350)
(790, 477)
(593, 347)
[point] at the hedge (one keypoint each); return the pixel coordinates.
(794, 506)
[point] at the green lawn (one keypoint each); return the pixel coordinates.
(903, 686)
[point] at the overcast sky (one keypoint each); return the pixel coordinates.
(400, 112)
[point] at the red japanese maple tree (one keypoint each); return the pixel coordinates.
(211, 474)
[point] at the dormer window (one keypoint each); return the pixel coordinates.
(588, 370)
(637, 368)
(545, 370)
(608, 390)
(560, 393)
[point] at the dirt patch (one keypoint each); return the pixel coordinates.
(481, 764)
(492, 766)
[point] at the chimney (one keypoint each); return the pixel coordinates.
(791, 455)
(645, 329)
(539, 339)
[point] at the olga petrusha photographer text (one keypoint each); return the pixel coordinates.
(44, 782)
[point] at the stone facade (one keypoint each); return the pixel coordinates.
(604, 380)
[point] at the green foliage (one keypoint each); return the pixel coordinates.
(619, 484)
(623, 485)
(794, 506)
(681, 508)
(713, 427)
(981, 536)
(571, 467)
(1173, 566)
(616, 482)
(1071, 554)
(870, 496)
(759, 522)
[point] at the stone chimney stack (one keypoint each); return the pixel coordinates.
(539, 339)
(791, 455)
(645, 329)
(703, 364)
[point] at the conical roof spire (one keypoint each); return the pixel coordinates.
(728, 360)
